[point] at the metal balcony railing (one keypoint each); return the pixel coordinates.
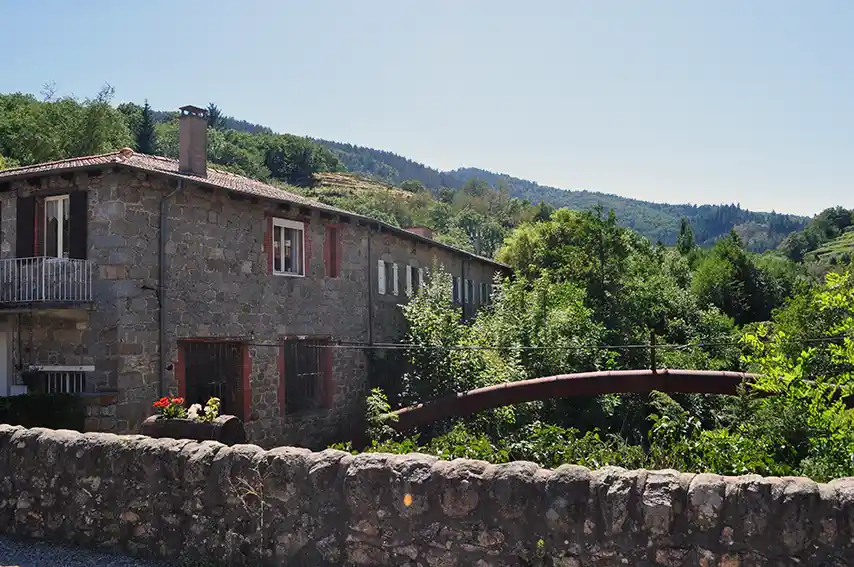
(45, 280)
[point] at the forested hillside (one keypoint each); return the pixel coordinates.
(658, 222)
(470, 208)
(258, 152)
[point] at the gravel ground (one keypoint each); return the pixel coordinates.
(21, 553)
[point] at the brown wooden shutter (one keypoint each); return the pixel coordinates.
(332, 251)
(25, 237)
(78, 212)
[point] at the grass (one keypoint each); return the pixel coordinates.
(838, 250)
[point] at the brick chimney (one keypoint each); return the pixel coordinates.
(193, 141)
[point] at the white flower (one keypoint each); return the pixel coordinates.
(193, 412)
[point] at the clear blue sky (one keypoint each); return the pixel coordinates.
(698, 101)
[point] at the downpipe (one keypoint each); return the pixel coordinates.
(161, 287)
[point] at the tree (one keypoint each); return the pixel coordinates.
(412, 185)
(146, 137)
(7, 163)
(215, 118)
(544, 211)
(132, 114)
(685, 242)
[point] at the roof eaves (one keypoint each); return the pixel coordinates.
(60, 166)
(113, 159)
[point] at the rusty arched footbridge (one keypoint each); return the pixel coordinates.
(574, 385)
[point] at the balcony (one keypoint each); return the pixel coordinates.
(35, 284)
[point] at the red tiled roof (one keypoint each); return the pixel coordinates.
(214, 178)
(169, 167)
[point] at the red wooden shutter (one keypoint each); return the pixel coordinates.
(332, 252)
(307, 243)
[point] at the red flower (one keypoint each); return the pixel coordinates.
(178, 401)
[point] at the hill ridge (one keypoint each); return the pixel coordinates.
(658, 221)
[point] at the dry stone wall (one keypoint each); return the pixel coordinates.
(205, 503)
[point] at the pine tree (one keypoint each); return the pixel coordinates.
(215, 118)
(685, 243)
(146, 138)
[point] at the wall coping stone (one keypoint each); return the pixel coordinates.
(182, 500)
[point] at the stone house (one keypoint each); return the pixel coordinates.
(265, 298)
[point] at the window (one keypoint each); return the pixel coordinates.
(469, 289)
(414, 279)
(56, 226)
(387, 278)
(306, 365)
(55, 381)
(457, 290)
(216, 368)
(484, 293)
(53, 226)
(288, 247)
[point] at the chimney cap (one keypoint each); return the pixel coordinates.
(190, 110)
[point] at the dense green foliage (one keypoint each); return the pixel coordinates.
(469, 208)
(658, 222)
(34, 131)
(587, 295)
(827, 240)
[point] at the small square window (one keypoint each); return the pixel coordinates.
(288, 248)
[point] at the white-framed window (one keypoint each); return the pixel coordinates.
(381, 277)
(414, 279)
(56, 226)
(457, 289)
(484, 292)
(288, 247)
(468, 291)
(387, 278)
(58, 379)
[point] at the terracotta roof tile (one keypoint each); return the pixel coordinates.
(214, 178)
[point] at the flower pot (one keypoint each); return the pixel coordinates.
(226, 429)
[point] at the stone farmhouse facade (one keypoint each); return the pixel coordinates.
(267, 299)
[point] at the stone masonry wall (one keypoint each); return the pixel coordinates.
(94, 338)
(205, 503)
(218, 287)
